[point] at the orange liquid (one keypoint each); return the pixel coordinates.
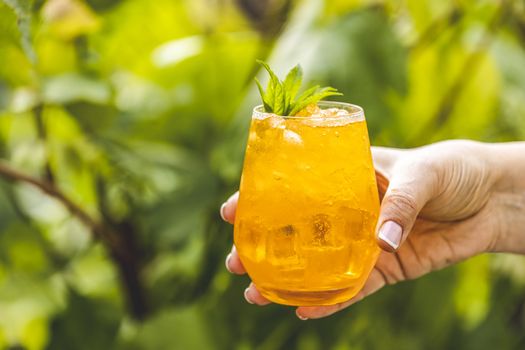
(307, 211)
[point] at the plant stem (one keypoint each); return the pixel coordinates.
(118, 242)
(42, 135)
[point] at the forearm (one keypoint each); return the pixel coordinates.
(507, 161)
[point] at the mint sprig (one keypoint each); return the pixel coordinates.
(281, 97)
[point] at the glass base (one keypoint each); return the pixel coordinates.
(308, 298)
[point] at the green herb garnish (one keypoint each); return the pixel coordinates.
(281, 97)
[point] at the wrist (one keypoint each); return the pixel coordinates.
(507, 163)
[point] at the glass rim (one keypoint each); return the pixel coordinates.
(354, 111)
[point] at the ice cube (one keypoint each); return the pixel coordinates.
(275, 122)
(281, 246)
(293, 137)
(266, 132)
(308, 111)
(329, 112)
(321, 228)
(354, 223)
(342, 113)
(251, 238)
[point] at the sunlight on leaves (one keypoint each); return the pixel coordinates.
(68, 19)
(74, 87)
(176, 51)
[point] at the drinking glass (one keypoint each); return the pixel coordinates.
(308, 206)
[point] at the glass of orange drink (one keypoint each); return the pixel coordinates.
(308, 205)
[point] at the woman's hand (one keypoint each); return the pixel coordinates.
(445, 203)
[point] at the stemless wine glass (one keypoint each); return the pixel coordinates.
(308, 206)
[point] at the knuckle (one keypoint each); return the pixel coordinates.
(402, 200)
(423, 164)
(402, 205)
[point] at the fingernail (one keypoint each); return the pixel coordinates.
(227, 262)
(390, 233)
(223, 207)
(301, 317)
(246, 296)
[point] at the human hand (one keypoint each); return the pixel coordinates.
(445, 202)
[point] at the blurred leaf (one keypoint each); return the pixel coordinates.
(92, 275)
(7, 211)
(472, 293)
(424, 13)
(471, 119)
(22, 9)
(510, 57)
(24, 100)
(338, 8)
(69, 18)
(3, 96)
(101, 318)
(102, 5)
(143, 98)
(93, 117)
(114, 46)
(74, 87)
(75, 159)
(35, 334)
(40, 206)
(11, 52)
(25, 305)
(22, 251)
(172, 227)
(512, 266)
(309, 341)
(3, 341)
(176, 51)
(175, 329)
(49, 63)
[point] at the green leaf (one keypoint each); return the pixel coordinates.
(100, 316)
(314, 97)
(274, 95)
(472, 293)
(267, 107)
(22, 9)
(292, 84)
(279, 100)
(280, 97)
(307, 93)
(73, 87)
(181, 328)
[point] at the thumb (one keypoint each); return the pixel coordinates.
(410, 188)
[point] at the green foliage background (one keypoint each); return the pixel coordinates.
(122, 130)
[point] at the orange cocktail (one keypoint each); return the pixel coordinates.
(308, 205)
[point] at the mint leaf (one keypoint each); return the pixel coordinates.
(292, 84)
(317, 95)
(267, 106)
(281, 97)
(274, 95)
